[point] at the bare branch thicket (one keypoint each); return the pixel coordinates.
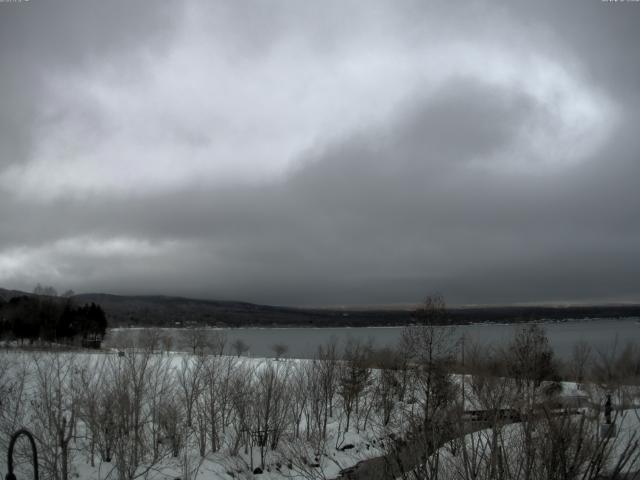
(14, 375)
(189, 377)
(172, 431)
(548, 440)
(217, 393)
(367, 403)
(161, 385)
(354, 377)
(199, 341)
(132, 414)
(316, 408)
(92, 390)
(308, 459)
(565, 447)
(190, 463)
(617, 372)
(314, 386)
(270, 405)
(389, 383)
(530, 360)
(242, 384)
(199, 430)
(327, 357)
(299, 391)
(54, 410)
(313, 455)
(488, 390)
(580, 362)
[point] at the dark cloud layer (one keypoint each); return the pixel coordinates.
(282, 154)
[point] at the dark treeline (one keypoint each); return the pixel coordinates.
(512, 314)
(52, 319)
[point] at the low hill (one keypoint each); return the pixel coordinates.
(178, 311)
(167, 311)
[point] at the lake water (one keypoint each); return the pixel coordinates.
(601, 334)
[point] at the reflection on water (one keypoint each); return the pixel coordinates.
(602, 334)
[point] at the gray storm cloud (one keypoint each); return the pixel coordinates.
(331, 153)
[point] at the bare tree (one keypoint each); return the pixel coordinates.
(279, 349)
(151, 340)
(240, 347)
(166, 341)
(217, 342)
(197, 340)
(431, 348)
(579, 364)
(530, 360)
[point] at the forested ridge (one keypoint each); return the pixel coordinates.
(166, 311)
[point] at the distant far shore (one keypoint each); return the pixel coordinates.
(328, 326)
(301, 318)
(180, 312)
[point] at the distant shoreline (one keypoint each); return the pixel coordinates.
(324, 327)
(180, 312)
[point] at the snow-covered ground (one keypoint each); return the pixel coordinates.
(480, 446)
(322, 459)
(300, 453)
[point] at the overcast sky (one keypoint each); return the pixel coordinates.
(322, 153)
